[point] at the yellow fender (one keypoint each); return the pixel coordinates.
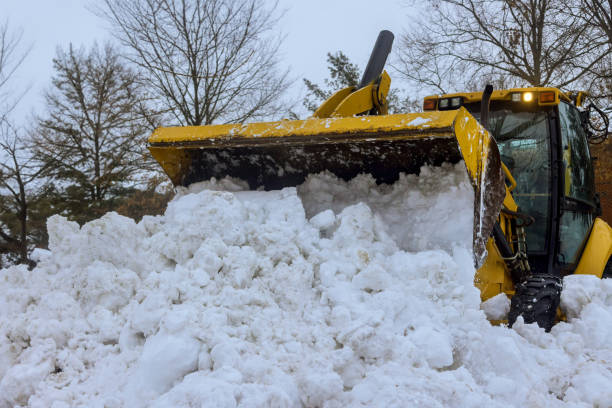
(597, 250)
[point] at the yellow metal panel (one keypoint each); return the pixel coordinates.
(349, 101)
(492, 278)
(580, 96)
(597, 250)
(173, 161)
(426, 123)
(473, 141)
(483, 163)
(504, 95)
(380, 99)
(509, 202)
(357, 102)
(327, 107)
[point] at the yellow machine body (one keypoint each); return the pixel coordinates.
(493, 277)
(597, 250)
(343, 139)
(544, 96)
(352, 133)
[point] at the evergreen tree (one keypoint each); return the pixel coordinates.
(342, 74)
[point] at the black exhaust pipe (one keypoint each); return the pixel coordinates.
(484, 106)
(378, 58)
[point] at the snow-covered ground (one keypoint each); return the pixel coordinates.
(333, 294)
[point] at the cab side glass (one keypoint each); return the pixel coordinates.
(574, 230)
(579, 186)
(579, 183)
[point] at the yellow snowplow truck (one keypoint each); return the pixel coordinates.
(525, 151)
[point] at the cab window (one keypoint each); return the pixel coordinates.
(573, 230)
(524, 144)
(579, 183)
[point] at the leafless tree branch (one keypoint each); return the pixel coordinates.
(94, 133)
(11, 58)
(462, 43)
(208, 61)
(19, 175)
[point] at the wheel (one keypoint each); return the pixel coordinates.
(607, 273)
(537, 299)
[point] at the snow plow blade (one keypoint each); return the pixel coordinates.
(274, 155)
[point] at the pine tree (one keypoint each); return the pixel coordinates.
(342, 74)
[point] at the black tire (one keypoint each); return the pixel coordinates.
(537, 299)
(607, 273)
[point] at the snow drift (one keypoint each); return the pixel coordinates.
(330, 294)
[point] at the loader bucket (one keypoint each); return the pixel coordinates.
(274, 155)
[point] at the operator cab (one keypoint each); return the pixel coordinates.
(543, 143)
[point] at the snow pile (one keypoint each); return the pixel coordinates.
(329, 295)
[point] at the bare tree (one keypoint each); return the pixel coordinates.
(19, 183)
(510, 42)
(93, 136)
(11, 58)
(16, 171)
(599, 14)
(596, 14)
(206, 60)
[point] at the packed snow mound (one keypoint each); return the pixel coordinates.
(330, 294)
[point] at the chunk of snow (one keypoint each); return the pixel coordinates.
(497, 307)
(418, 121)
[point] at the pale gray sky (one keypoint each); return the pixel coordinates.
(312, 28)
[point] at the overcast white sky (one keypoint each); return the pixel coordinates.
(312, 28)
